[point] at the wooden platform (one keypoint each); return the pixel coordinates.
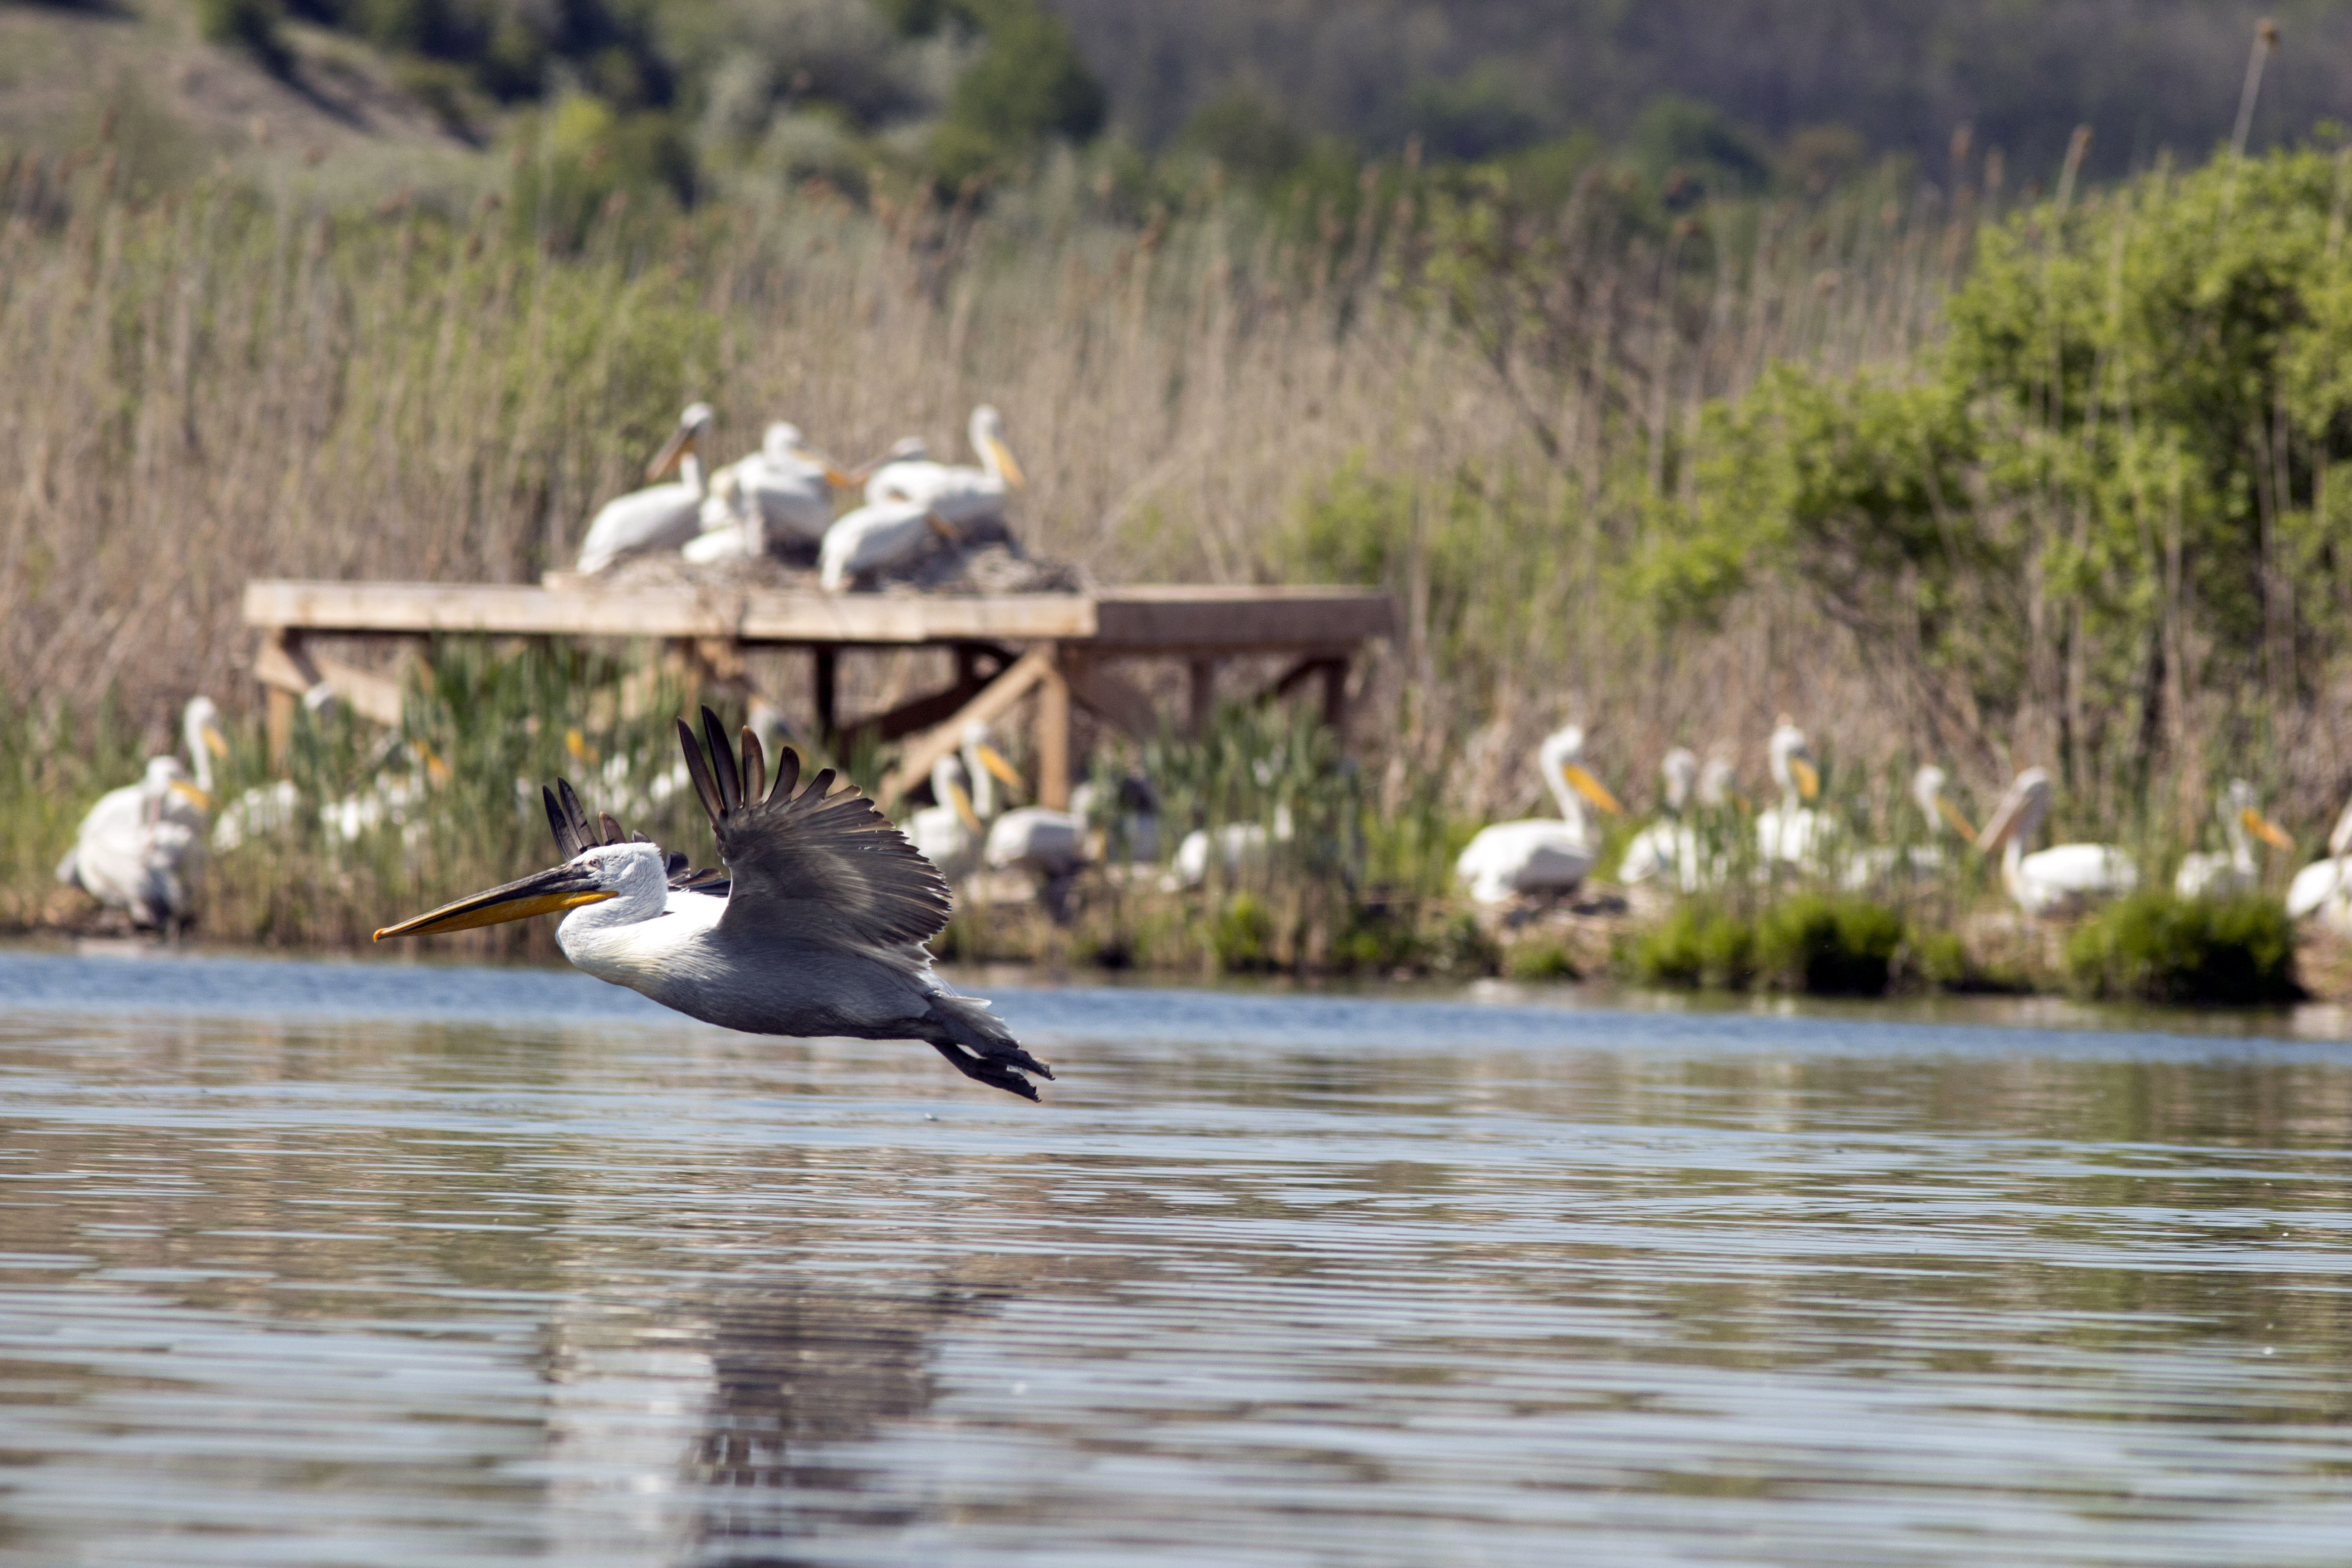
(1068, 643)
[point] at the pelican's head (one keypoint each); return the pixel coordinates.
(2241, 806)
(783, 441)
(1718, 784)
(988, 444)
(1928, 790)
(978, 755)
(1562, 756)
(201, 723)
(633, 873)
(1792, 760)
(1679, 768)
(692, 426)
(2019, 815)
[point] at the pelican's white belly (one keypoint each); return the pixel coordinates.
(2069, 878)
(1537, 856)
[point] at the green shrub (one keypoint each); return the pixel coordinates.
(1696, 945)
(1376, 942)
(252, 25)
(1828, 946)
(2160, 948)
(1540, 959)
(1242, 938)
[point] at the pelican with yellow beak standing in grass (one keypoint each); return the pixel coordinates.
(136, 849)
(818, 926)
(1540, 855)
(1792, 833)
(2207, 875)
(661, 516)
(2063, 879)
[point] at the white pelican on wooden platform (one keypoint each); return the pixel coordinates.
(2065, 880)
(1883, 863)
(781, 494)
(1792, 833)
(137, 848)
(875, 536)
(818, 929)
(1669, 847)
(2323, 888)
(660, 517)
(2207, 875)
(1540, 855)
(958, 493)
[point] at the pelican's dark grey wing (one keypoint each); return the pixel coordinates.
(824, 867)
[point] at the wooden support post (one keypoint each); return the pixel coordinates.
(1203, 695)
(281, 727)
(1054, 736)
(825, 676)
(1030, 670)
(1334, 694)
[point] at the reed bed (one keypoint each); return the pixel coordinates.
(1482, 402)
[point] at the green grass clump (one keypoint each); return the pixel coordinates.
(1242, 937)
(1540, 959)
(1697, 945)
(1828, 946)
(2159, 948)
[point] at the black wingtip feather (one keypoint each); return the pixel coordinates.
(566, 849)
(755, 768)
(723, 761)
(699, 770)
(612, 834)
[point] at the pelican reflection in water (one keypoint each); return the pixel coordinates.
(817, 928)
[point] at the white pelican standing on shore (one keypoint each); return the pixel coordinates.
(1883, 863)
(1540, 855)
(2323, 888)
(2207, 875)
(956, 492)
(819, 932)
(1792, 833)
(781, 494)
(660, 517)
(2065, 880)
(1669, 847)
(137, 848)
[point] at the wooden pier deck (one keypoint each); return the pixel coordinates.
(1062, 646)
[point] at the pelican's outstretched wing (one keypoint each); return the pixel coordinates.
(573, 836)
(826, 866)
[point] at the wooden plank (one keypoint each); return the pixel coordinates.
(993, 704)
(1054, 737)
(1110, 696)
(1240, 619)
(285, 664)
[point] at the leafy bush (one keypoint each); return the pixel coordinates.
(2160, 948)
(1828, 946)
(1696, 945)
(1540, 959)
(1242, 938)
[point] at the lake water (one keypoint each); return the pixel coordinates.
(359, 1264)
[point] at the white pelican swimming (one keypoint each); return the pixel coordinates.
(1540, 855)
(1669, 847)
(1883, 863)
(1792, 833)
(958, 494)
(820, 929)
(876, 536)
(2065, 880)
(2206, 875)
(660, 517)
(2323, 888)
(137, 848)
(781, 494)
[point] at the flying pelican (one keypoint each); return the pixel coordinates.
(1871, 867)
(1669, 845)
(1540, 855)
(2206, 875)
(957, 493)
(822, 931)
(2065, 880)
(2323, 888)
(783, 492)
(1792, 833)
(877, 535)
(660, 517)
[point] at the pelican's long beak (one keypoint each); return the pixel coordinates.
(2269, 832)
(214, 741)
(993, 760)
(192, 795)
(1953, 815)
(838, 478)
(960, 798)
(1590, 788)
(673, 452)
(1808, 780)
(944, 528)
(2003, 824)
(565, 887)
(1003, 456)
